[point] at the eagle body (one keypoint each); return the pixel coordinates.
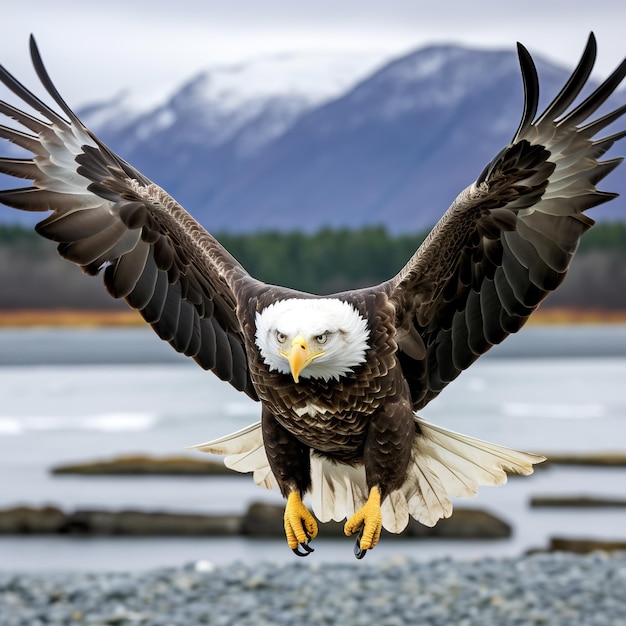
(339, 378)
(331, 416)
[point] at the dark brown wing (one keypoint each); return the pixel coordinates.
(508, 239)
(109, 218)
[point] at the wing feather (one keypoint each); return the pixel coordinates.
(508, 239)
(108, 216)
(121, 277)
(186, 328)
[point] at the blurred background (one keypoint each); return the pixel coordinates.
(319, 144)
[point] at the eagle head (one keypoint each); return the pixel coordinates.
(312, 337)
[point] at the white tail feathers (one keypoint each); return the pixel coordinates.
(443, 464)
(446, 463)
(245, 453)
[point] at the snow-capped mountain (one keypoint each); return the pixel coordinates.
(207, 131)
(255, 101)
(301, 142)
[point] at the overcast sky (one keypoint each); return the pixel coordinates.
(95, 50)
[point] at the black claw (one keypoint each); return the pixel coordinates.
(358, 552)
(306, 547)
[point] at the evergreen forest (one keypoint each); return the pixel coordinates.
(33, 276)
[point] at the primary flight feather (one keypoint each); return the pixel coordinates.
(339, 378)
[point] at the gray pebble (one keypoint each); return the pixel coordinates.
(551, 589)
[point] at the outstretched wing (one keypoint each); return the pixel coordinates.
(508, 239)
(109, 218)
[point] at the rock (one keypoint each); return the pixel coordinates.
(133, 465)
(185, 465)
(580, 546)
(601, 459)
(263, 520)
(575, 501)
(25, 520)
(463, 524)
(145, 523)
(21, 520)
(260, 520)
(266, 520)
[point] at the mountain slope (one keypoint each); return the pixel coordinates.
(297, 142)
(395, 150)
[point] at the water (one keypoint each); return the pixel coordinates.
(84, 395)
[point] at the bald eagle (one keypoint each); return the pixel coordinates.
(339, 378)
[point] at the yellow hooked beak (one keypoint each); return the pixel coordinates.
(300, 356)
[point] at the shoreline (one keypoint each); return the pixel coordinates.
(145, 464)
(70, 318)
(75, 318)
(556, 589)
(260, 520)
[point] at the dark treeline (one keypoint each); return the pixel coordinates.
(33, 276)
(323, 262)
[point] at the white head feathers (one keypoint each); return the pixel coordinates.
(333, 330)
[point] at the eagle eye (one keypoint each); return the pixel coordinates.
(281, 337)
(322, 339)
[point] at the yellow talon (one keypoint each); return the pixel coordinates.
(300, 525)
(369, 520)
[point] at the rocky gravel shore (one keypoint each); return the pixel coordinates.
(551, 589)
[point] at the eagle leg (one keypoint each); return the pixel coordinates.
(300, 525)
(368, 522)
